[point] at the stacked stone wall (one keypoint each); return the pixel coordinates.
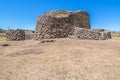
(61, 25)
(15, 35)
(29, 35)
(91, 34)
(80, 19)
(51, 27)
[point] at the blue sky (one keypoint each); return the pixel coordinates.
(23, 13)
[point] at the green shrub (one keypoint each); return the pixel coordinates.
(2, 30)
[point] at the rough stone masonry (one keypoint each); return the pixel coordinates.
(60, 24)
(91, 34)
(15, 35)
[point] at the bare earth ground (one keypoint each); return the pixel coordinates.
(65, 59)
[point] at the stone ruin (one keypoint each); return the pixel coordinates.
(60, 24)
(91, 34)
(19, 34)
(29, 35)
(15, 35)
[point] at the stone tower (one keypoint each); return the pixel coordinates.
(59, 24)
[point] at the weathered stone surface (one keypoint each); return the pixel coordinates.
(15, 35)
(80, 19)
(29, 35)
(58, 13)
(91, 34)
(51, 27)
(59, 24)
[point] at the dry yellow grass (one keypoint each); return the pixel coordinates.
(2, 38)
(65, 59)
(116, 38)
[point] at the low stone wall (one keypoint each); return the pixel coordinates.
(15, 35)
(29, 35)
(91, 34)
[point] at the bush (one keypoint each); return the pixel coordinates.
(2, 30)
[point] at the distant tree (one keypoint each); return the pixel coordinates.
(33, 31)
(2, 30)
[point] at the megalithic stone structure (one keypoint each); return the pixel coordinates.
(60, 24)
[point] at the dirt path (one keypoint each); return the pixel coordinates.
(64, 59)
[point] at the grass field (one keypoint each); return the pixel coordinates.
(2, 37)
(116, 35)
(116, 38)
(64, 59)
